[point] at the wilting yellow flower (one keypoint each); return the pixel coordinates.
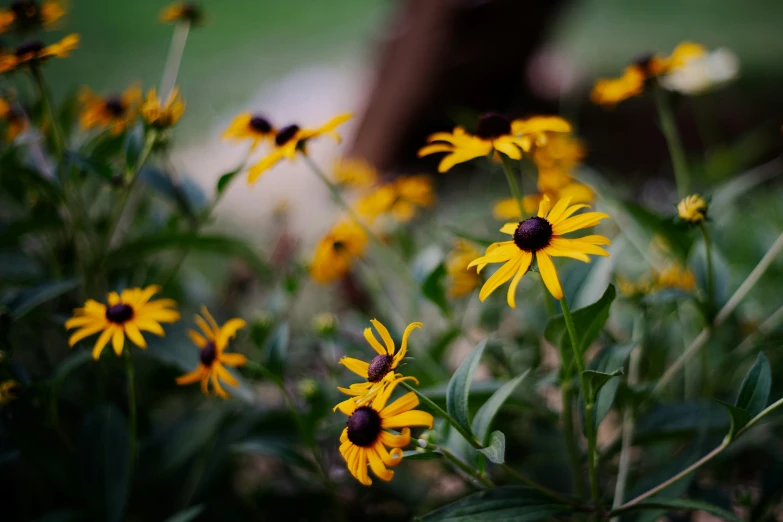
(25, 16)
(8, 391)
(365, 439)
(609, 92)
(292, 139)
(36, 52)
(462, 280)
(355, 173)
(180, 12)
(494, 132)
(541, 235)
(692, 209)
(128, 313)
(380, 371)
(115, 113)
(401, 198)
(253, 127)
(160, 115)
(13, 120)
(213, 358)
(336, 252)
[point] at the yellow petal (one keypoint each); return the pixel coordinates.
(133, 333)
(404, 346)
(549, 275)
(356, 366)
(233, 359)
(118, 340)
(370, 337)
(101, 342)
(409, 418)
(503, 274)
(527, 258)
(192, 377)
(384, 335)
(403, 404)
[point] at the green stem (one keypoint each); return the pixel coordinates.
(131, 408)
(469, 471)
(567, 415)
(59, 142)
(669, 129)
(441, 412)
(512, 184)
(708, 254)
(174, 58)
(548, 302)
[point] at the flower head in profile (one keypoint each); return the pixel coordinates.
(401, 198)
(367, 435)
(213, 341)
(161, 115)
(380, 371)
(255, 128)
(26, 16)
(8, 391)
(462, 280)
(692, 209)
(355, 173)
(611, 91)
(541, 236)
(336, 252)
(35, 52)
(494, 133)
(114, 112)
(182, 12)
(12, 119)
(293, 139)
(127, 314)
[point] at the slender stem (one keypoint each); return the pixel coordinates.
(543, 489)
(512, 183)
(174, 58)
(669, 129)
(764, 329)
(708, 254)
(131, 408)
(59, 142)
(755, 420)
(441, 412)
(467, 469)
(548, 300)
(567, 415)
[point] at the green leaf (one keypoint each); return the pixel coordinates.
(501, 504)
(134, 142)
(186, 515)
(609, 358)
(754, 391)
(276, 447)
(739, 419)
(277, 348)
(594, 381)
(433, 289)
(484, 416)
(185, 193)
(90, 165)
(496, 450)
(226, 178)
(459, 386)
(683, 504)
(30, 298)
(697, 262)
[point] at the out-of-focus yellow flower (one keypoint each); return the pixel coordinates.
(632, 289)
(25, 16)
(35, 52)
(674, 276)
(462, 280)
(703, 73)
(560, 153)
(494, 133)
(116, 113)
(213, 341)
(355, 173)
(253, 127)
(160, 115)
(8, 391)
(13, 120)
(337, 251)
(692, 209)
(553, 184)
(400, 198)
(182, 12)
(325, 323)
(292, 139)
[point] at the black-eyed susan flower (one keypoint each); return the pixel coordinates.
(127, 314)
(213, 341)
(8, 391)
(541, 236)
(365, 439)
(380, 371)
(114, 112)
(494, 133)
(35, 52)
(182, 12)
(692, 209)
(24, 16)
(250, 127)
(12, 119)
(159, 114)
(292, 139)
(355, 173)
(462, 280)
(337, 251)
(400, 198)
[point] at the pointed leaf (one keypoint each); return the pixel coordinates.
(30, 298)
(226, 178)
(596, 380)
(484, 416)
(459, 386)
(277, 348)
(501, 504)
(754, 391)
(496, 450)
(588, 322)
(609, 358)
(739, 418)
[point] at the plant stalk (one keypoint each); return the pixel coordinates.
(59, 142)
(131, 409)
(512, 183)
(174, 58)
(669, 129)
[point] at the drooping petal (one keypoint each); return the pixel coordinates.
(102, 341)
(390, 460)
(82, 333)
(400, 355)
(503, 274)
(409, 418)
(549, 275)
(265, 164)
(377, 466)
(396, 441)
(511, 296)
(218, 388)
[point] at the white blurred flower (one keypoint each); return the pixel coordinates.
(703, 74)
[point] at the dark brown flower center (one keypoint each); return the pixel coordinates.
(208, 354)
(115, 106)
(119, 313)
(364, 426)
(26, 10)
(285, 134)
(533, 234)
(33, 46)
(493, 125)
(643, 62)
(379, 367)
(338, 246)
(260, 124)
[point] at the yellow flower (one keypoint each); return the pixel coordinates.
(36, 52)
(252, 127)
(462, 280)
(692, 209)
(400, 198)
(160, 115)
(128, 313)
(355, 173)
(14, 120)
(8, 391)
(336, 252)
(494, 133)
(25, 16)
(561, 152)
(115, 113)
(213, 358)
(541, 235)
(380, 371)
(180, 12)
(365, 439)
(674, 276)
(632, 289)
(292, 139)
